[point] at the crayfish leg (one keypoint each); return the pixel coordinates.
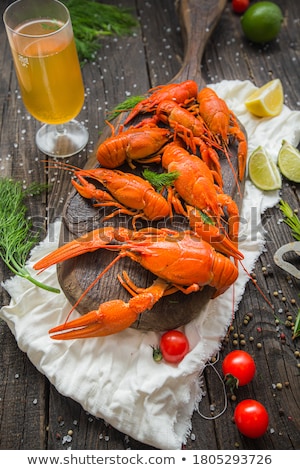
(134, 290)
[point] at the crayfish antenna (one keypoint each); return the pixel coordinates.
(60, 166)
(257, 287)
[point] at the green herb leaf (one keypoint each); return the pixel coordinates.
(291, 219)
(91, 20)
(16, 236)
(126, 105)
(206, 219)
(296, 332)
(160, 180)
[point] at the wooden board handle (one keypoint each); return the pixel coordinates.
(198, 20)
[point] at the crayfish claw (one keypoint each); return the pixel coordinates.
(112, 317)
(89, 242)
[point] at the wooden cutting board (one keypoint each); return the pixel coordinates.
(198, 21)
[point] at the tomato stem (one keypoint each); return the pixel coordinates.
(231, 382)
(157, 354)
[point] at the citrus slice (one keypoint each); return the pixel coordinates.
(289, 162)
(267, 100)
(263, 172)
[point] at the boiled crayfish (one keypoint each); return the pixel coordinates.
(183, 132)
(195, 185)
(181, 260)
(222, 123)
(128, 193)
(141, 144)
(178, 92)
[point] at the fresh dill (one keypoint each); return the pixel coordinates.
(160, 180)
(291, 219)
(126, 105)
(205, 218)
(296, 332)
(91, 20)
(16, 235)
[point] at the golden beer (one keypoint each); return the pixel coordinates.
(48, 71)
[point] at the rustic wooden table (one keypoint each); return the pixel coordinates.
(33, 415)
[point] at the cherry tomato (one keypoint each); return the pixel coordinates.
(240, 6)
(174, 346)
(238, 368)
(251, 418)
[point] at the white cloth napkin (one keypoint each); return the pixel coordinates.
(115, 378)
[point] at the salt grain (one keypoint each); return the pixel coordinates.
(66, 439)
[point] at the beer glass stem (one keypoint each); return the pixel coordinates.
(62, 140)
(60, 128)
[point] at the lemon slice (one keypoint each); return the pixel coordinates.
(263, 172)
(289, 161)
(267, 100)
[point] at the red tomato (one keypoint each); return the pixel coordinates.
(174, 346)
(251, 418)
(240, 6)
(238, 367)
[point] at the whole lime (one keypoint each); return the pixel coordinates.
(262, 22)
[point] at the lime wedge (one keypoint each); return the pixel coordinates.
(267, 100)
(263, 172)
(289, 161)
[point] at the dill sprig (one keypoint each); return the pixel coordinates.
(126, 105)
(296, 332)
(91, 19)
(160, 180)
(16, 237)
(291, 219)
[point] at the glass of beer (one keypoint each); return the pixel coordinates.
(48, 70)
